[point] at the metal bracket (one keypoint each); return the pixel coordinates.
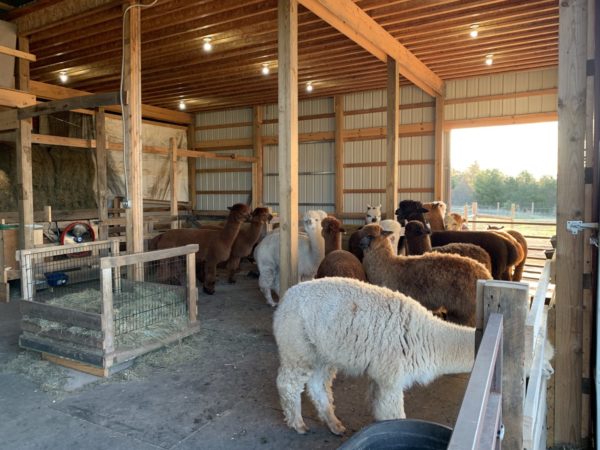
(501, 432)
(575, 226)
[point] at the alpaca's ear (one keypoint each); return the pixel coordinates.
(230, 208)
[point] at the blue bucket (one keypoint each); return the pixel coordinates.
(55, 279)
(400, 434)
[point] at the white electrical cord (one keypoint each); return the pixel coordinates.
(126, 202)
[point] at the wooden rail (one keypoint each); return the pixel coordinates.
(137, 258)
(479, 418)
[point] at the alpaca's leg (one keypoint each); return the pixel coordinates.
(265, 282)
(319, 389)
(387, 399)
(290, 384)
(210, 277)
(233, 263)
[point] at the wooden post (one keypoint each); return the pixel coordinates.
(191, 144)
(24, 163)
(393, 112)
(173, 176)
(257, 146)
(288, 142)
(192, 292)
(132, 114)
(115, 249)
(512, 301)
(474, 212)
(339, 154)
(466, 212)
(107, 320)
(101, 175)
(439, 179)
(570, 206)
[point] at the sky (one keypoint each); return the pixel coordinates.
(509, 148)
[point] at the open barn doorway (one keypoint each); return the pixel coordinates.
(505, 176)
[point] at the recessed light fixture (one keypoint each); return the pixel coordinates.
(265, 69)
(309, 86)
(182, 105)
(63, 77)
(489, 59)
(474, 31)
(207, 46)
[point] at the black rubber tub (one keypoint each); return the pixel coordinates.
(401, 434)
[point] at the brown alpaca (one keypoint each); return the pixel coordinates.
(418, 243)
(215, 245)
(502, 252)
(247, 239)
(338, 262)
(435, 215)
(437, 281)
(519, 239)
(354, 241)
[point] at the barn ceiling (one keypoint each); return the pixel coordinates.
(87, 45)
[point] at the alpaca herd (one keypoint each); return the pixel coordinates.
(372, 309)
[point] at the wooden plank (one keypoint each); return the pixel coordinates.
(69, 104)
(22, 65)
(338, 102)
(258, 151)
(382, 191)
(192, 171)
(352, 21)
(511, 300)
(225, 144)
(25, 184)
(13, 98)
(17, 53)
(125, 260)
(439, 178)
(485, 98)
(192, 291)
(54, 92)
(392, 177)
(76, 365)
(287, 20)
(108, 323)
(67, 316)
(64, 334)
(173, 180)
(570, 206)
(132, 115)
(38, 344)
(9, 120)
(101, 173)
(503, 120)
(44, 139)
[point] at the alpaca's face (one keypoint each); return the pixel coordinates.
(239, 212)
(312, 224)
(373, 214)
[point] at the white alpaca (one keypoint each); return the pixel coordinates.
(311, 251)
(397, 232)
(332, 324)
(373, 214)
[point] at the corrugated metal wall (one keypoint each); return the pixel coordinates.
(364, 159)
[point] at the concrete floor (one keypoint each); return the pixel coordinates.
(224, 397)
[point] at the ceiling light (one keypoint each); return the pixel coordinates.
(474, 32)
(207, 46)
(182, 105)
(265, 69)
(309, 87)
(489, 60)
(63, 77)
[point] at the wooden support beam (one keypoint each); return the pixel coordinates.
(132, 114)
(173, 179)
(24, 161)
(12, 98)
(191, 143)
(570, 206)
(349, 19)
(258, 151)
(392, 152)
(439, 179)
(17, 53)
(101, 173)
(338, 102)
(550, 116)
(53, 92)
(69, 104)
(45, 139)
(287, 15)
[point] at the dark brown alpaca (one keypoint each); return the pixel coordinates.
(338, 262)
(215, 245)
(247, 239)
